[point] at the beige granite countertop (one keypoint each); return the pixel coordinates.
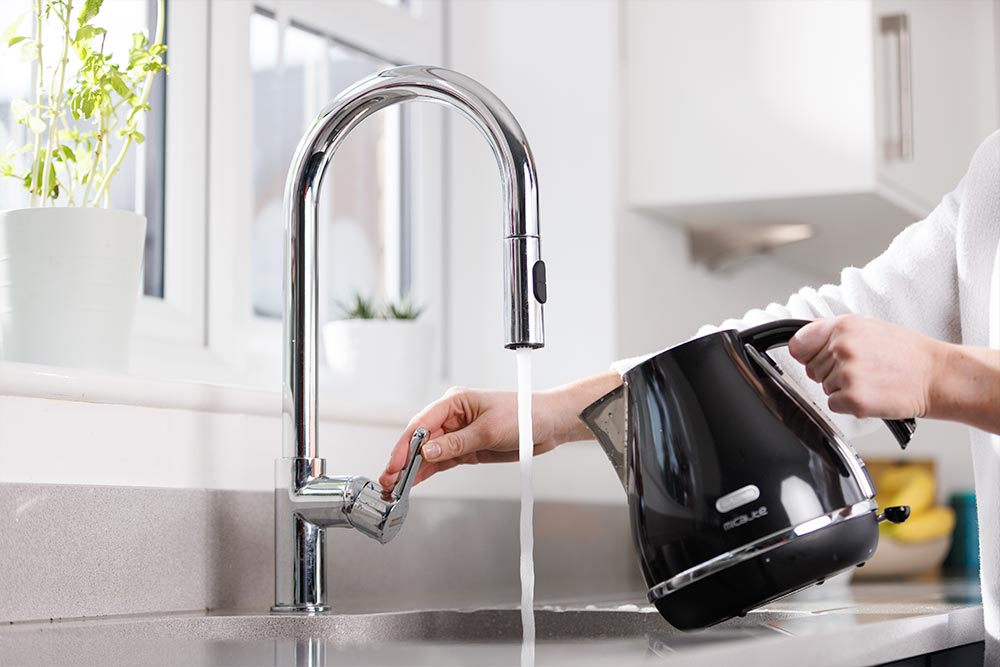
(862, 624)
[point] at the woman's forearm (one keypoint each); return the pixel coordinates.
(966, 386)
(564, 404)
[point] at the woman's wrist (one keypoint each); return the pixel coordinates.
(965, 386)
(564, 404)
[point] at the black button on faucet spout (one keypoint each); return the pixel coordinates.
(538, 281)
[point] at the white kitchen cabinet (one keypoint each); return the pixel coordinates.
(953, 95)
(743, 113)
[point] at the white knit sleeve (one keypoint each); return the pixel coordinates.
(914, 284)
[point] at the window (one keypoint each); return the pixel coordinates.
(274, 66)
(246, 79)
(296, 71)
(138, 184)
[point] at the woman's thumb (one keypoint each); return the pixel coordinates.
(451, 445)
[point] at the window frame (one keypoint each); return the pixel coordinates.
(177, 320)
(239, 346)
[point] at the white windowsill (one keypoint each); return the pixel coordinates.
(85, 386)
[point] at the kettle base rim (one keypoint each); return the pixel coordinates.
(759, 547)
(787, 567)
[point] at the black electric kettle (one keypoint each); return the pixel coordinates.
(740, 490)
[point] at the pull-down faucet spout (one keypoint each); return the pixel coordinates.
(307, 501)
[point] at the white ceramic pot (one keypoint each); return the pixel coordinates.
(69, 282)
(383, 361)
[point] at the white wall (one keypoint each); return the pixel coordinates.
(52, 441)
(559, 84)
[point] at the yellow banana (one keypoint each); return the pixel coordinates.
(891, 480)
(930, 524)
(906, 485)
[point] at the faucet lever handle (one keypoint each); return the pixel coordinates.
(409, 473)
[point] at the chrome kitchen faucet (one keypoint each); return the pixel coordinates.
(306, 500)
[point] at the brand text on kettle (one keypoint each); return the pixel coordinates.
(742, 519)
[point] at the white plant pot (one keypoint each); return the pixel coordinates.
(383, 361)
(69, 282)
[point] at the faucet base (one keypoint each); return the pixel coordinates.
(307, 609)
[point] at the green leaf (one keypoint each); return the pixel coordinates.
(36, 124)
(118, 83)
(139, 40)
(137, 136)
(16, 40)
(68, 153)
(87, 105)
(85, 33)
(6, 163)
(53, 181)
(10, 31)
(29, 51)
(20, 109)
(89, 11)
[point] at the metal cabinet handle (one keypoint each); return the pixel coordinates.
(900, 147)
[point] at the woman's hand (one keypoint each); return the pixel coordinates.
(870, 368)
(480, 426)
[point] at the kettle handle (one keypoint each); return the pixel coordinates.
(772, 334)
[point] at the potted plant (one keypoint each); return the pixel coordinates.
(380, 353)
(70, 267)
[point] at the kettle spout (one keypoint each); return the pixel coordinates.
(605, 418)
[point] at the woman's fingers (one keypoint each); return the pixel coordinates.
(432, 418)
(847, 403)
(833, 382)
(821, 366)
(810, 340)
(455, 445)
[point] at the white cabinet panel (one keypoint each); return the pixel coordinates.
(745, 100)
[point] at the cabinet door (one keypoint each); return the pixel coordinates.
(935, 93)
(731, 101)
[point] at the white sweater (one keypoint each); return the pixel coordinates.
(940, 277)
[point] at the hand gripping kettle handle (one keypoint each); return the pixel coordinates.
(779, 332)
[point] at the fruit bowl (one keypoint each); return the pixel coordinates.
(904, 559)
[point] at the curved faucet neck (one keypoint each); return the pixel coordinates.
(524, 271)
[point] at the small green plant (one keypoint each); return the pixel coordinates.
(77, 160)
(360, 308)
(364, 308)
(404, 309)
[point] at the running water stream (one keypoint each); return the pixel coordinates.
(526, 447)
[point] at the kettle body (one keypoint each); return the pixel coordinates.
(740, 491)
